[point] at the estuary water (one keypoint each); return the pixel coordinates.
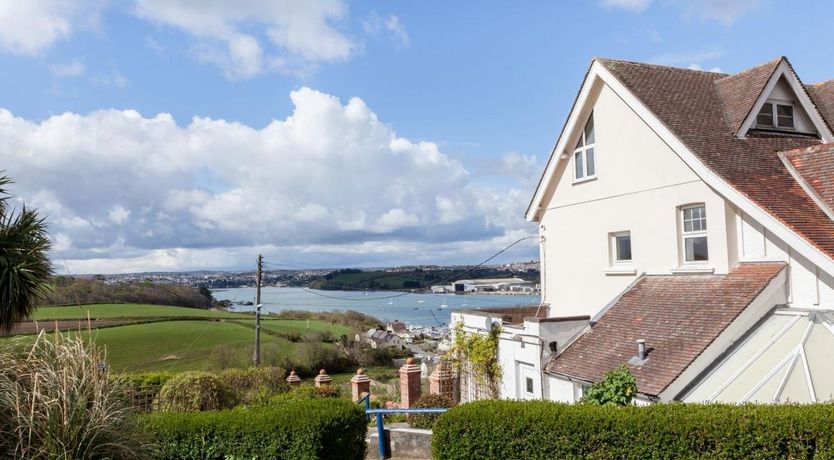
(412, 308)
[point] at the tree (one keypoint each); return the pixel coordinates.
(25, 268)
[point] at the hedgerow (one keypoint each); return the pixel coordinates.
(544, 430)
(311, 429)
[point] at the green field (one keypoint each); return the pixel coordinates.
(127, 311)
(302, 326)
(184, 344)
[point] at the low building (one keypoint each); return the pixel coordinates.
(490, 285)
(381, 338)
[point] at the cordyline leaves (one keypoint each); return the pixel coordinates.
(25, 268)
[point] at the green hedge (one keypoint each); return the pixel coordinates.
(545, 430)
(311, 429)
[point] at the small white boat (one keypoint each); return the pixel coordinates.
(420, 301)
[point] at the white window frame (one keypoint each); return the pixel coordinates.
(684, 235)
(582, 152)
(774, 107)
(612, 238)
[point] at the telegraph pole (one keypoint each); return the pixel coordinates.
(258, 277)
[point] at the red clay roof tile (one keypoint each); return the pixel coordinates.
(677, 315)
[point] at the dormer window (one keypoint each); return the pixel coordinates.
(584, 160)
(778, 115)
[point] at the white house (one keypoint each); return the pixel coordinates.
(693, 212)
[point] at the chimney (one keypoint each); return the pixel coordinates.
(641, 349)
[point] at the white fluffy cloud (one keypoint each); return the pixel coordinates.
(247, 37)
(28, 27)
(330, 182)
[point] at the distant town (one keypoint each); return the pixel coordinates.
(318, 277)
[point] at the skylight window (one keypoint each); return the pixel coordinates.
(777, 115)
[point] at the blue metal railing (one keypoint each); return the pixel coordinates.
(379, 413)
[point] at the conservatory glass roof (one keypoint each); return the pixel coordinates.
(786, 358)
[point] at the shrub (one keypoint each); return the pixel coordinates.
(57, 402)
(256, 384)
(195, 391)
(539, 430)
(617, 388)
(306, 392)
(225, 357)
(141, 390)
(311, 357)
(312, 429)
(426, 421)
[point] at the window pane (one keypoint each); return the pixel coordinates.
(623, 248)
(529, 384)
(589, 130)
(696, 249)
(694, 219)
(785, 115)
(577, 161)
(589, 158)
(765, 115)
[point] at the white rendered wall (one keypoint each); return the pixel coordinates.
(809, 286)
(640, 184)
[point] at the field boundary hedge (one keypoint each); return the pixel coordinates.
(544, 430)
(308, 429)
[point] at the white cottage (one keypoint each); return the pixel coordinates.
(687, 230)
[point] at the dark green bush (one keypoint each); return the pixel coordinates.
(545, 430)
(311, 429)
(426, 421)
(255, 385)
(195, 391)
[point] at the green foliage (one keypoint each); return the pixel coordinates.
(545, 430)
(25, 268)
(309, 358)
(479, 354)
(57, 403)
(141, 390)
(306, 392)
(426, 421)
(310, 429)
(617, 388)
(74, 291)
(256, 384)
(195, 391)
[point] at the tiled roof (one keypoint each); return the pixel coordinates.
(692, 105)
(823, 96)
(816, 166)
(677, 315)
(740, 91)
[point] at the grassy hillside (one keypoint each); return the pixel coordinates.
(127, 311)
(415, 279)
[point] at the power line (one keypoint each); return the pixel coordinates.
(450, 278)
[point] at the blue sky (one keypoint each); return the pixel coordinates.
(164, 135)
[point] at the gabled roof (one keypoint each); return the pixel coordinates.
(699, 113)
(740, 91)
(679, 316)
(690, 105)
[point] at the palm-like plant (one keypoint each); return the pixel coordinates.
(25, 268)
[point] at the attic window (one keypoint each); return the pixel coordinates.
(775, 115)
(584, 159)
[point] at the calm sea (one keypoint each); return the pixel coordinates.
(419, 309)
